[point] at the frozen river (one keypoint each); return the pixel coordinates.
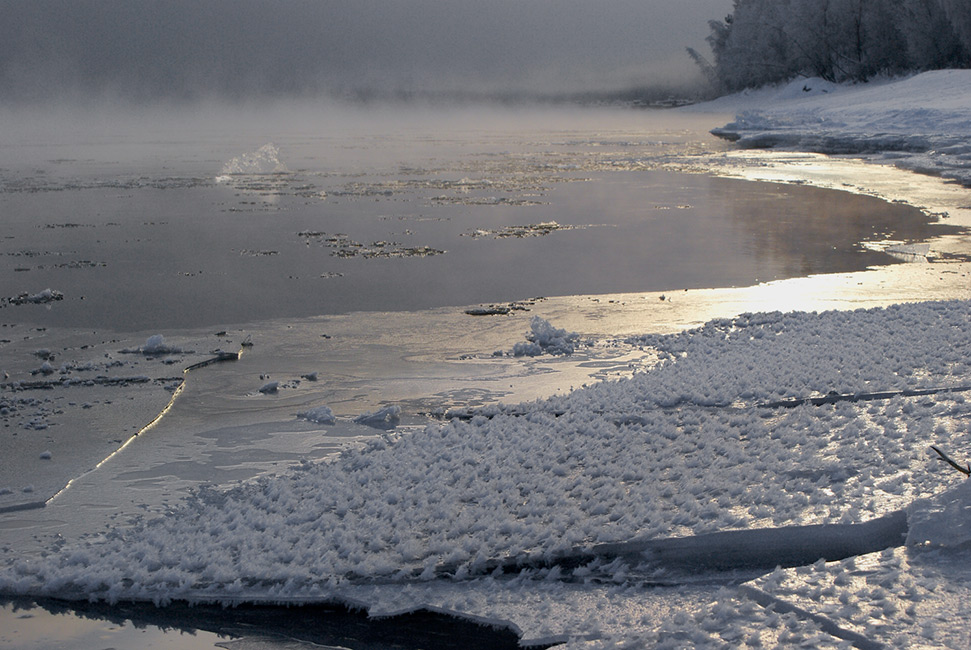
(364, 260)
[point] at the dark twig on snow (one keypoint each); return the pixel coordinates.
(964, 470)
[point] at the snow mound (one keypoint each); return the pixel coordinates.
(546, 339)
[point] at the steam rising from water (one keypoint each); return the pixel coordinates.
(265, 160)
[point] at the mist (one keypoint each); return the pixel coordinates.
(176, 50)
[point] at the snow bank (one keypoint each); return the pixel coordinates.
(607, 464)
(922, 123)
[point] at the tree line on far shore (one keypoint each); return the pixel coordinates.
(768, 41)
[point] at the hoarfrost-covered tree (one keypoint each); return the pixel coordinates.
(751, 47)
(931, 40)
(884, 48)
(959, 13)
(765, 41)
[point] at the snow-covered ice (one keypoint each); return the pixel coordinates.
(687, 448)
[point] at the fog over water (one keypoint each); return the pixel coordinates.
(394, 209)
(179, 49)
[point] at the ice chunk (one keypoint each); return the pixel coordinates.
(155, 345)
(270, 387)
(319, 414)
(544, 338)
(910, 252)
(44, 297)
(384, 418)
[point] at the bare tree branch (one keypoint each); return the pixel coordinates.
(964, 470)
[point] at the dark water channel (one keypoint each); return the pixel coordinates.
(245, 627)
(211, 254)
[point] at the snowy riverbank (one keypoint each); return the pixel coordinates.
(921, 123)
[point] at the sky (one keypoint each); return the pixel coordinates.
(145, 49)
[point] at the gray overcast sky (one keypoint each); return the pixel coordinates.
(183, 48)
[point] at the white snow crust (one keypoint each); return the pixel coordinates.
(682, 449)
